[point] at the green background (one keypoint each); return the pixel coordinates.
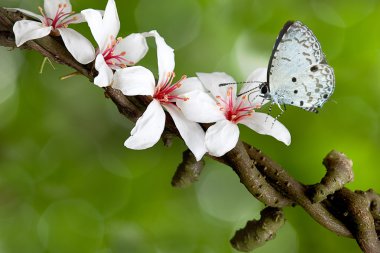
(67, 183)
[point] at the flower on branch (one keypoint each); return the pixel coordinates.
(138, 80)
(54, 19)
(223, 106)
(113, 52)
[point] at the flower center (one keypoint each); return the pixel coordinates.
(235, 109)
(164, 91)
(115, 59)
(61, 19)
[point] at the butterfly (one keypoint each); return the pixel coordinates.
(297, 73)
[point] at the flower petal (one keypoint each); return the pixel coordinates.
(188, 85)
(111, 22)
(165, 56)
(265, 124)
(148, 129)
(27, 13)
(135, 47)
(221, 137)
(78, 18)
(95, 22)
(79, 47)
(200, 107)
(104, 78)
(134, 81)
(213, 81)
(51, 7)
(191, 132)
(26, 30)
(252, 87)
(259, 74)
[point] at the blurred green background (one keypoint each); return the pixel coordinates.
(67, 183)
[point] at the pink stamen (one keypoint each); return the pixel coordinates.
(115, 60)
(61, 18)
(164, 91)
(233, 111)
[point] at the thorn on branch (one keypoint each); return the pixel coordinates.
(257, 232)
(188, 171)
(339, 172)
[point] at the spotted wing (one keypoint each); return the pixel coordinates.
(298, 73)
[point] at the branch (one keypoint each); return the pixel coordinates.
(257, 232)
(358, 218)
(263, 178)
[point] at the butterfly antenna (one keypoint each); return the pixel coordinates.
(248, 91)
(224, 84)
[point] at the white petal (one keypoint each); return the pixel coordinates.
(252, 87)
(134, 81)
(79, 47)
(213, 81)
(79, 18)
(95, 22)
(26, 30)
(148, 129)
(263, 124)
(188, 85)
(111, 22)
(191, 132)
(27, 13)
(165, 56)
(259, 75)
(221, 137)
(200, 107)
(135, 47)
(51, 7)
(104, 78)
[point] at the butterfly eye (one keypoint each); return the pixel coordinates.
(264, 89)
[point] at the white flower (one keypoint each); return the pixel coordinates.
(149, 127)
(113, 52)
(224, 107)
(54, 19)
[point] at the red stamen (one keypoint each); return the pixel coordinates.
(164, 91)
(115, 60)
(234, 111)
(61, 18)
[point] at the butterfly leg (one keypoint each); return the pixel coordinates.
(277, 117)
(269, 111)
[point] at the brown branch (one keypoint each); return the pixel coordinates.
(188, 171)
(263, 178)
(253, 180)
(257, 232)
(339, 172)
(296, 191)
(354, 210)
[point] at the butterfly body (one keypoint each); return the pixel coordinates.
(298, 73)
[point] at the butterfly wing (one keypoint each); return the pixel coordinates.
(298, 73)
